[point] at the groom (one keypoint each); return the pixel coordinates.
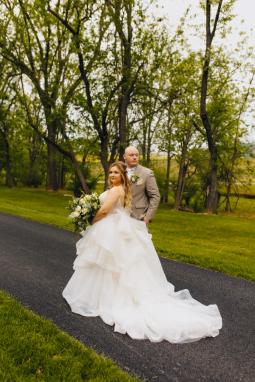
(145, 193)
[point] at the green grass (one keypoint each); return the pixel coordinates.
(225, 242)
(34, 349)
(245, 208)
(31, 348)
(37, 204)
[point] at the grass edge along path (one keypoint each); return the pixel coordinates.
(34, 349)
(224, 243)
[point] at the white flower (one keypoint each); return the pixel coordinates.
(83, 209)
(134, 178)
(74, 214)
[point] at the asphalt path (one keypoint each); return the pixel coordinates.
(36, 263)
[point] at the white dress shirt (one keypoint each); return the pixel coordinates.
(130, 171)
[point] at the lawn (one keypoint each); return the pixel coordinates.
(34, 349)
(37, 204)
(225, 242)
(31, 348)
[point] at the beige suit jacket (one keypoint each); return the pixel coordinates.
(145, 194)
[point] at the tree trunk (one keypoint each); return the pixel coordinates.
(181, 179)
(148, 151)
(123, 106)
(9, 181)
(182, 168)
(61, 172)
(80, 175)
(33, 150)
(213, 194)
(30, 173)
(52, 152)
(167, 179)
(125, 33)
(104, 159)
(212, 197)
(228, 205)
(168, 163)
(52, 179)
(143, 145)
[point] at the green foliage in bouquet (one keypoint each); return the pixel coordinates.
(83, 210)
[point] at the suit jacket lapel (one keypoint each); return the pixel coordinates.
(138, 169)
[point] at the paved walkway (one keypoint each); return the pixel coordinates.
(36, 263)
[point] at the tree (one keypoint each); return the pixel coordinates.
(87, 40)
(7, 101)
(211, 27)
(108, 66)
(121, 13)
(39, 47)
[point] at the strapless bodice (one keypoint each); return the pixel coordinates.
(117, 208)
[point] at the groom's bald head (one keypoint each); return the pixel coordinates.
(131, 156)
(130, 149)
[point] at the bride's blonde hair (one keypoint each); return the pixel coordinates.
(125, 182)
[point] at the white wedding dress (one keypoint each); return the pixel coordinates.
(118, 276)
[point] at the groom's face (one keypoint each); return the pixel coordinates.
(131, 157)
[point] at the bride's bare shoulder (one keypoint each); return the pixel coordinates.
(117, 190)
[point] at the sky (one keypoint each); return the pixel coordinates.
(174, 9)
(243, 21)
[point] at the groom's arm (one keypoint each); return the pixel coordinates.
(153, 195)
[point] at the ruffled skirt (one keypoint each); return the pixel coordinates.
(118, 277)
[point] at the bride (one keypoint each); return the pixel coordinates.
(118, 276)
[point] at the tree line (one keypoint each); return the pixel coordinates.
(81, 80)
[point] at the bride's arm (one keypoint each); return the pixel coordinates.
(110, 201)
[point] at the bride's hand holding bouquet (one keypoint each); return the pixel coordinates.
(84, 210)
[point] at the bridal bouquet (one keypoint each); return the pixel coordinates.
(83, 210)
